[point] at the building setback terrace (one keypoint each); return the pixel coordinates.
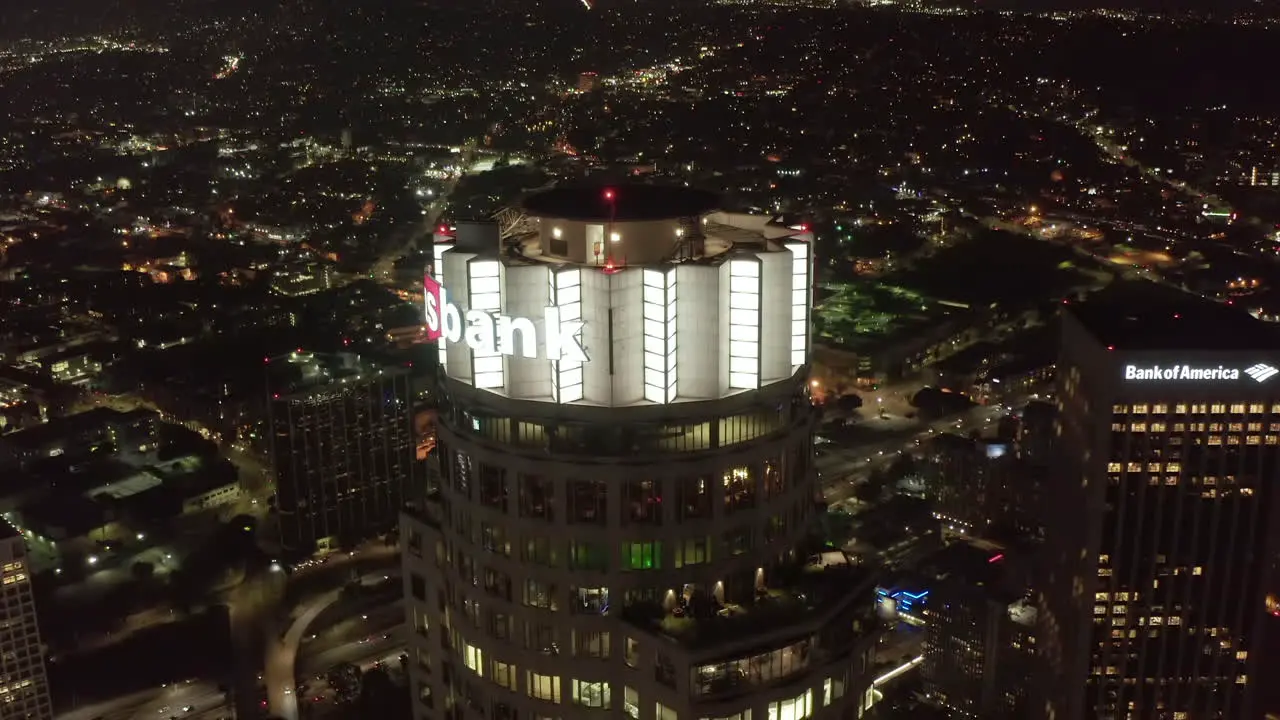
(809, 592)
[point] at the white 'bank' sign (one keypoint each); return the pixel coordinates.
(488, 333)
(1261, 372)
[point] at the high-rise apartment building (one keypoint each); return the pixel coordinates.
(979, 638)
(343, 449)
(626, 476)
(1161, 511)
(24, 687)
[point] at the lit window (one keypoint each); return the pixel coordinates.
(473, 658)
(543, 687)
(593, 694)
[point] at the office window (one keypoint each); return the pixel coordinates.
(588, 556)
(540, 595)
(641, 555)
(693, 552)
(543, 687)
(473, 658)
(505, 674)
(592, 694)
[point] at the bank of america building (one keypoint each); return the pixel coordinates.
(626, 476)
(1163, 531)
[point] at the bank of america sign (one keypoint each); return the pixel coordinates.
(1260, 372)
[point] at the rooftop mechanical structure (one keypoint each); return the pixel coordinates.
(625, 476)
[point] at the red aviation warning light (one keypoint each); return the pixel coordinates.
(608, 195)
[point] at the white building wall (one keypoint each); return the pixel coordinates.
(698, 348)
(611, 306)
(627, 383)
(775, 316)
(456, 357)
(526, 296)
(598, 386)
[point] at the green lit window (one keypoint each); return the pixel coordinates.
(641, 556)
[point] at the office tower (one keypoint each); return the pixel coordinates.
(970, 482)
(979, 638)
(342, 447)
(24, 688)
(1035, 437)
(626, 476)
(1161, 513)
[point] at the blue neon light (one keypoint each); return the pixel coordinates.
(905, 599)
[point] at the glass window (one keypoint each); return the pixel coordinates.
(739, 488)
(540, 595)
(662, 712)
(832, 689)
(695, 551)
(592, 694)
(540, 551)
(587, 501)
(693, 498)
(642, 503)
(592, 644)
(774, 484)
(493, 487)
(473, 658)
(588, 556)
(462, 473)
(543, 687)
(536, 494)
(641, 555)
(797, 708)
(504, 674)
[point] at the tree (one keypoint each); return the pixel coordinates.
(142, 571)
(380, 697)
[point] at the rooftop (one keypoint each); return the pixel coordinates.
(1143, 315)
(64, 428)
(621, 203)
(812, 591)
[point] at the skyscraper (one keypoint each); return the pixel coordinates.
(343, 450)
(1163, 509)
(979, 637)
(24, 687)
(626, 476)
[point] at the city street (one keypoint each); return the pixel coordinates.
(844, 467)
(203, 697)
(280, 675)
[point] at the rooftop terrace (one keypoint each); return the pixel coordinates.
(807, 592)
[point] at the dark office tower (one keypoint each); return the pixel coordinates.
(343, 449)
(979, 639)
(625, 442)
(1162, 510)
(1035, 436)
(24, 686)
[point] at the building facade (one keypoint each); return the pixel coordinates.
(1163, 501)
(979, 644)
(626, 476)
(24, 687)
(343, 451)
